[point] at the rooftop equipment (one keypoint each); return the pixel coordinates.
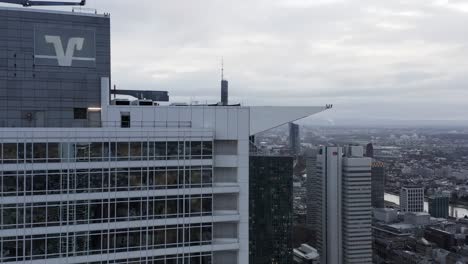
(159, 96)
(143, 102)
(121, 102)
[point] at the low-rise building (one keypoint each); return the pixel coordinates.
(306, 254)
(385, 215)
(418, 219)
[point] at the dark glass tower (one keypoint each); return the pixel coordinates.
(271, 209)
(378, 184)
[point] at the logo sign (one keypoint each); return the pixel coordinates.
(64, 47)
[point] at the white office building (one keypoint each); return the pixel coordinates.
(412, 199)
(152, 184)
(344, 230)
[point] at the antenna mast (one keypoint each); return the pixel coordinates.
(224, 86)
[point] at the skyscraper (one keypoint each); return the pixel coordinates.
(314, 198)
(439, 206)
(87, 180)
(294, 139)
(271, 209)
(412, 199)
(344, 230)
(378, 184)
(370, 150)
(224, 92)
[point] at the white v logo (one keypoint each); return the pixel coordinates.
(65, 57)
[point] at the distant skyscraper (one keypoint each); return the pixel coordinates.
(224, 92)
(439, 206)
(412, 199)
(224, 87)
(370, 150)
(271, 209)
(294, 138)
(378, 184)
(343, 212)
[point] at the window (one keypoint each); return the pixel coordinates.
(195, 205)
(96, 151)
(172, 150)
(195, 178)
(80, 113)
(207, 149)
(160, 150)
(122, 150)
(136, 151)
(125, 120)
(53, 153)
(172, 179)
(10, 153)
(40, 152)
(196, 150)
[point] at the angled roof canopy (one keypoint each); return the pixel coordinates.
(263, 118)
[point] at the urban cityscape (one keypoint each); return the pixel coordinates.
(92, 173)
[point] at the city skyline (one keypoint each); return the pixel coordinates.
(225, 133)
(372, 59)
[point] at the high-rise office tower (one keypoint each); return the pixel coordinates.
(370, 150)
(412, 199)
(294, 139)
(439, 206)
(314, 198)
(84, 180)
(271, 209)
(344, 230)
(378, 184)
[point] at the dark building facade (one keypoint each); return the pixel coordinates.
(51, 64)
(314, 198)
(294, 139)
(270, 209)
(439, 206)
(378, 184)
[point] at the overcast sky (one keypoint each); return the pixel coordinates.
(372, 59)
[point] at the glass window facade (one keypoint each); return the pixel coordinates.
(25, 181)
(62, 245)
(53, 152)
(30, 215)
(70, 181)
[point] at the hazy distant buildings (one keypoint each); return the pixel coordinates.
(344, 213)
(412, 199)
(378, 184)
(439, 206)
(271, 209)
(294, 139)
